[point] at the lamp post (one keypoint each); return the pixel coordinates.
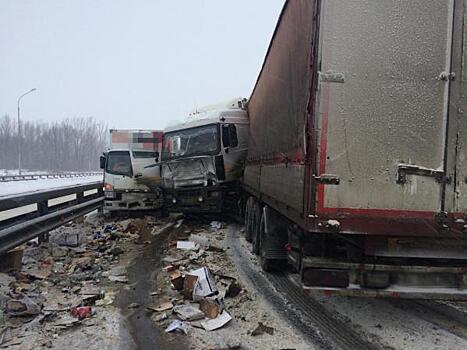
(19, 130)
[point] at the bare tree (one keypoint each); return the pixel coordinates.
(70, 145)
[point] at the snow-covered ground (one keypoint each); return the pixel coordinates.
(15, 187)
(23, 172)
(35, 172)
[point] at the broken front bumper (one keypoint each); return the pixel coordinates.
(133, 201)
(195, 200)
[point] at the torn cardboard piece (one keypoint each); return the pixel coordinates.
(177, 280)
(161, 307)
(210, 307)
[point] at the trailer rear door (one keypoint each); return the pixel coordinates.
(383, 103)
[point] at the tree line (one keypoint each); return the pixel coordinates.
(69, 145)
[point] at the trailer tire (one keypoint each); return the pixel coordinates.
(255, 219)
(267, 264)
(247, 218)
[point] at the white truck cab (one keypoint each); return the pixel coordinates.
(203, 158)
(123, 170)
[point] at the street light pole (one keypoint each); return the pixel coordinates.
(19, 130)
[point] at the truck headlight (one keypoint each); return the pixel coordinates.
(200, 199)
(174, 200)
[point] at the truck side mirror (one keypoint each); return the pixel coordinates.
(102, 162)
(156, 155)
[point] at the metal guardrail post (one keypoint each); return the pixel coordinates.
(43, 209)
(79, 197)
(100, 192)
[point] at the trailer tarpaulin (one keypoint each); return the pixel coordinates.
(278, 109)
(278, 104)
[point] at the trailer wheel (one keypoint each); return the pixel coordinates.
(267, 265)
(255, 220)
(248, 220)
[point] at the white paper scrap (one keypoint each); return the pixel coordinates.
(217, 322)
(185, 245)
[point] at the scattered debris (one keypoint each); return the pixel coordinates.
(161, 317)
(177, 280)
(202, 241)
(213, 248)
(233, 290)
(122, 279)
(107, 300)
(169, 268)
(58, 251)
(3, 331)
(81, 312)
(210, 307)
(133, 306)
(23, 306)
(188, 312)
(189, 283)
(116, 274)
(216, 224)
(261, 329)
(161, 307)
(204, 285)
(116, 250)
(5, 281)
(218, 322)
(177, 325)
(66, 239)
(186, 245)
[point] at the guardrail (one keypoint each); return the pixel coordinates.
(25, 177)
(27, 216)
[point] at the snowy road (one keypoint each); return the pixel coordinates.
(17, 187)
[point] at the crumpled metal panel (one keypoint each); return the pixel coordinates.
(382, 102)
(188, 172)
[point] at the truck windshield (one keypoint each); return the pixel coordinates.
(191, 142)
(119, 163)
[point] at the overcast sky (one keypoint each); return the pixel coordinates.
(131, 64)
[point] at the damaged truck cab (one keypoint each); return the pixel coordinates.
(203, 159)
